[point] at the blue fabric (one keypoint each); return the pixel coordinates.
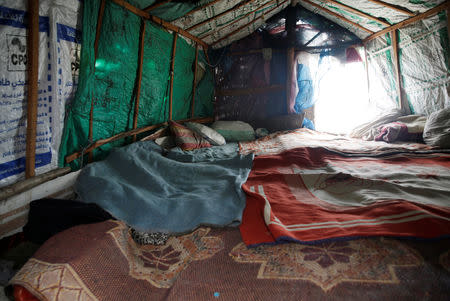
(305, 96)
(172, 192)
(307, 123)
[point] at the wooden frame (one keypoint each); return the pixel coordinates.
(32, 99)
(358, 12)
(201, 7)
(337, 16)
(159, 21)
(126, 134)
(139, 77)
(172, 65)
(398, 78)
(237, 20)
(428, 13)
(220, 15)
(194, 86)
(388, 5)
(244, 26)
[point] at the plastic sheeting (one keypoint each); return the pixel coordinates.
(110, 80)
(58, 70)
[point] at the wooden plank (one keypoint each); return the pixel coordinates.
(26, 184)
(122, 135)
(244, 26)
(388, 5)
(194, 85)
(429, 13)
(337, 16)
(248, 91)
(159, 21)
(398, 78)
(313, 38)
(243, 17)
(139, 75)
(33, 73)
(220, 15)
(172, 65)
(101, 12)
(155, 5)
(358, 12)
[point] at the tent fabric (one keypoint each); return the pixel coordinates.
(110, 79)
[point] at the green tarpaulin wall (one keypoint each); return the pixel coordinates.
(111, 80)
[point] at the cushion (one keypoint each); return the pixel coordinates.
(234, 131)
(187, 139)
(206, 132)
(280, 123)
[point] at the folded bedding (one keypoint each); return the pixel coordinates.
(171, 192)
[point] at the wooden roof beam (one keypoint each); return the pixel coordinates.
(220, 15)
(201, 7)
(358, 12)
(159, 21)
(338, 16)
(428, 13)
(155, 5)
(246, 25)
(237, 20)
(388, 5)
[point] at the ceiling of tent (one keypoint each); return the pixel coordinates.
(221, 22)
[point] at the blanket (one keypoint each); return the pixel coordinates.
(313, 194)
(172, 192)
(101, 262)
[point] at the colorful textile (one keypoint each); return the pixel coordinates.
(392, 132)
(312, 194)
(101, 262)
(187, 139)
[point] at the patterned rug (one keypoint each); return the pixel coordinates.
(102, 262)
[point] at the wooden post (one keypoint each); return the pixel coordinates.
(398, 78)
(172, 65)
(33, 73)
(139, 77)
(194, 85)
(366, 56)
(289, 69)
(101, 10)
(291, 20)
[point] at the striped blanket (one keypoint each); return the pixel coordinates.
(314, 194)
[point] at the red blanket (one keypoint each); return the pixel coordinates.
(312, 194)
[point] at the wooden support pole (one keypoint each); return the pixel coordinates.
(33, 73)
(123, 135)
(400, 10)
(194, 84)
(402, 101)
(101, 11)
(139, 77)
(337, 16)
(428, 13)
(172, 65)
(358, 12)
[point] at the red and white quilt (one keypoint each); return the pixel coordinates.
(314, 194)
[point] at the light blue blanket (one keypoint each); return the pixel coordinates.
(172, 192)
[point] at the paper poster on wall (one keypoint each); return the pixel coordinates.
(57, 76)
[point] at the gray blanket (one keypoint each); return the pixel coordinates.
(172, 192)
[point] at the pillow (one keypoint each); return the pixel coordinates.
(234, 131)
(206, 132)
(280, 123)
(185, 138)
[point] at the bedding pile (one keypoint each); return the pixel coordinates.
(170, 192)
